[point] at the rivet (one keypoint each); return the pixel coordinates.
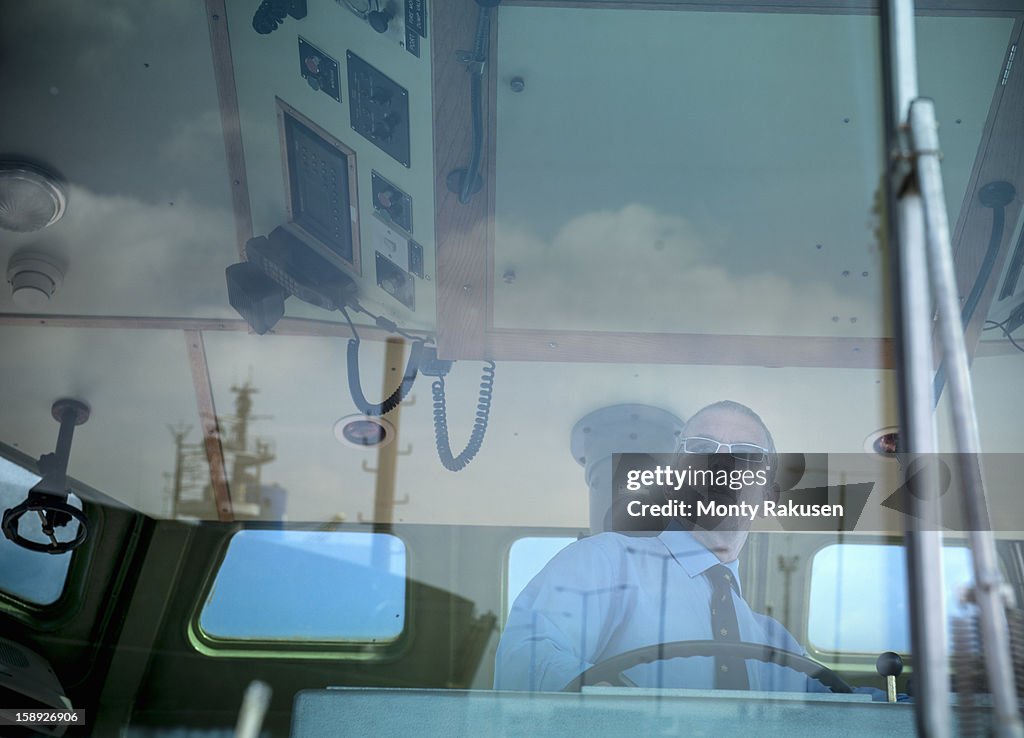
(517, 84)
(467, 288)
(853, 319)
(817, 246)
(552, 344)
(835, 318)
(863, 274)
(846, 272)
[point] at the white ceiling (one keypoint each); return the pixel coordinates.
(119, 97)
(710, 172)
(132, 139)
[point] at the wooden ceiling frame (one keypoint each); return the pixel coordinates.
(465, 235)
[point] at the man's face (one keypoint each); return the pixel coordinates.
(727, 537)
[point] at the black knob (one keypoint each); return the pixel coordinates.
(889, 664)
(379, 20)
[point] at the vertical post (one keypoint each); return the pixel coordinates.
(912, 329)
(387, 462)
(995, 635)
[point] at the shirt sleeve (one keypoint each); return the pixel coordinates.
(562, 621)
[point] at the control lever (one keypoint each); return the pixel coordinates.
(889, 665)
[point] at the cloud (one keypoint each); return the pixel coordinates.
(618, 270)
(198, 134)
(128, 256)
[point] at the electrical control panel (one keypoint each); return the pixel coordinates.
(320, 70)
(391, 203)
(398, 248)
(396, 281)
(379, 109)
(320, 179)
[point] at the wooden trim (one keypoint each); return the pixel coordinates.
(533, 345)
(284, 109)
(819, 7)
(227, 97)
(285, 327)
(211, 430)
(462, 231)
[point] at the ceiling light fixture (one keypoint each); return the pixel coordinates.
(883, 442)
(363, 431)
(31, 198)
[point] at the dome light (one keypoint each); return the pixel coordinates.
(30, 197)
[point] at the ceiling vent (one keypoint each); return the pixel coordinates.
(31, 198)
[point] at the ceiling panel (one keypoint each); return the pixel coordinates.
(120, 99)
(728, 162)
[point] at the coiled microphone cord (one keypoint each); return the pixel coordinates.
(476, 437)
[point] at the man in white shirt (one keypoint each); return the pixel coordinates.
(611, 593)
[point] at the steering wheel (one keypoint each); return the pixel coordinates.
(610, 670)
(53, 513)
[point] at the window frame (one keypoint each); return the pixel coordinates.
(320, 650)
(859, 661)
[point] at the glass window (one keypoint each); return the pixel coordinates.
(525, 560)
(308, 586)
(858, 596)
(31, 576)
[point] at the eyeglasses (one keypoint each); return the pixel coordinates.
(748, 452)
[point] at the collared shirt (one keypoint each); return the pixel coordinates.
(611, 593)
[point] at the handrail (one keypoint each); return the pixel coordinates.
(912, 329)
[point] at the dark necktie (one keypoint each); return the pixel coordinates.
(730, 672)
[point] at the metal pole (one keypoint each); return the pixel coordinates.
(988, 584)
(912, 307)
